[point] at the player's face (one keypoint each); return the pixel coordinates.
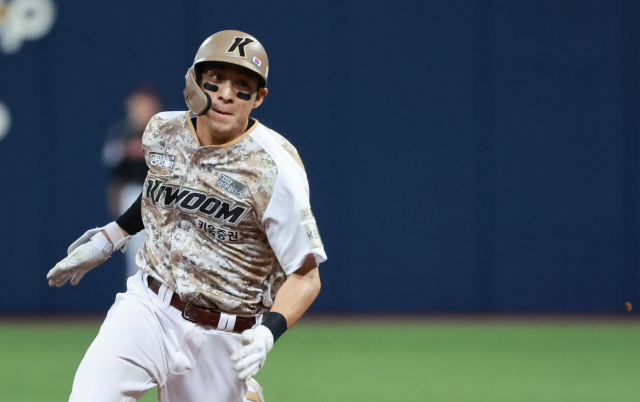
(234, 94)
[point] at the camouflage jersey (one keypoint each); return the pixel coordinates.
(224, 224)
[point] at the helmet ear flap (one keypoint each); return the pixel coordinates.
(197, 100)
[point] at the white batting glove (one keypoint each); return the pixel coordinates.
(86, 253)
(251, 357)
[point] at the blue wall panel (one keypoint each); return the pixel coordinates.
(559, 153)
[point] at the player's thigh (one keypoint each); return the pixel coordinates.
(126, 358)
(212, 378)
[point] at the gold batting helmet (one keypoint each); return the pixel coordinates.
(235, 47)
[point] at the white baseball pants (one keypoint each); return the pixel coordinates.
(144, 342)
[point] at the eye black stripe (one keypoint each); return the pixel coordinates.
(210, 87)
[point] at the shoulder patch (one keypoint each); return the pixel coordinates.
(304, 214)
(311, 229)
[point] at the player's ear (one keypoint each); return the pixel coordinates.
(262, 92)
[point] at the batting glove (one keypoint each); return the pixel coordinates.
(251, 357)
(86, 253)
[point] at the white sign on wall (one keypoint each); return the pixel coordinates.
(22, 20)
(5, 121)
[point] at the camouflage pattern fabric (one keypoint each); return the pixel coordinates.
(202, 208)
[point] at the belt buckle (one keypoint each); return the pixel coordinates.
(185, 311)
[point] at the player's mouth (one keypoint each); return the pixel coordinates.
(221, 112)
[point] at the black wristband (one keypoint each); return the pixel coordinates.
(276, 323)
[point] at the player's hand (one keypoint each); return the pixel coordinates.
(250, 358)
(90, 250)
(84, 255)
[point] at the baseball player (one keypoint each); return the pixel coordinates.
(228, 226)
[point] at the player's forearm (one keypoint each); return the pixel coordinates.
(298, 292)
(131, 221)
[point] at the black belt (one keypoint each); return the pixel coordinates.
(200, 315)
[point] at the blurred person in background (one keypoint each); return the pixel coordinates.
(123, 154)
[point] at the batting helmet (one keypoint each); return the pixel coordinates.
(233, 47)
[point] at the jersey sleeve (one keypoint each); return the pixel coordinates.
(289, 223)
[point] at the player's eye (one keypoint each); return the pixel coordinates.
(213, 77)
(243, 84)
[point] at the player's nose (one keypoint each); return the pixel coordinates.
(225, 92)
